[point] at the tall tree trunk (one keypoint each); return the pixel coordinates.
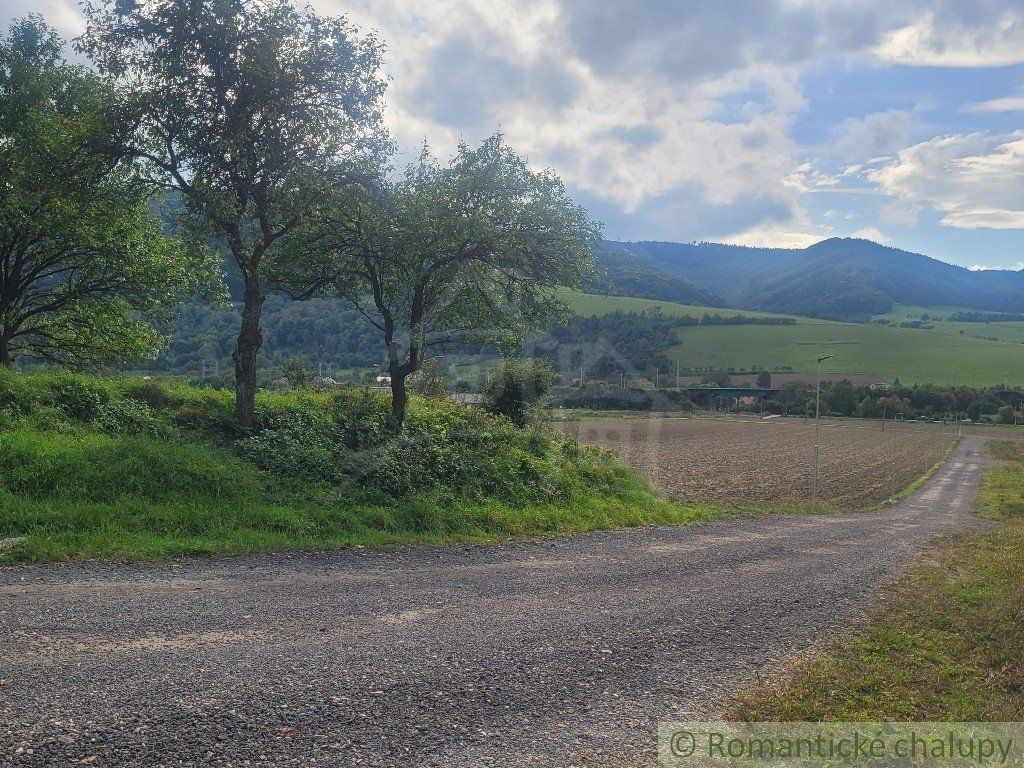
(250, 339)
(399, 398)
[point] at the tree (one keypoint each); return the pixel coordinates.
(764, 380)
(85, 271)
(294, 369)
(445, 255)
(517, 389)
(975, 410)
(248, 109)
(841, 398)
(430, 380)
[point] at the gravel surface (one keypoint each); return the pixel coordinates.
(562, 652)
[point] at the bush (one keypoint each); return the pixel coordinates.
(364, 417)
(79, 397)
(152, 393)
(127, 417)
(517, 389)
(287, 455)
(206, 411)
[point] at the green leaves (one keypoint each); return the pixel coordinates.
(86, 272)
(446, 255)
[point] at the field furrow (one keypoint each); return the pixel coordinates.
(738, 460)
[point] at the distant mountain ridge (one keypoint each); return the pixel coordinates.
(838, 278)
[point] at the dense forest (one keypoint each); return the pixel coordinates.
(839, 278)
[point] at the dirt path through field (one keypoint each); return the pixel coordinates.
(543, 653)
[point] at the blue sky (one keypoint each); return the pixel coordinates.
(763, 122)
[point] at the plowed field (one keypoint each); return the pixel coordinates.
(737, 460)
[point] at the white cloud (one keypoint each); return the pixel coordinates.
(936, 41)
(975, 180)
(1016, 266)
(676, 119)
(1005, 104)
(864, 139)
(871, 233)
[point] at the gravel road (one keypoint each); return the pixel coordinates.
(561, 652)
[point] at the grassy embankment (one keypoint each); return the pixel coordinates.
(938, 356)
(947, 643)
(122, 468)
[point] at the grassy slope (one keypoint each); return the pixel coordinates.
(93, 495)
(913, 355)
(587, 304)
(1013, 332)
(74, 488)
(947, 645)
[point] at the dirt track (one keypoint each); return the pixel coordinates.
(552, 652)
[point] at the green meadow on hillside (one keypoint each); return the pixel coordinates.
(587, 304)
(939, 356)
(938, 317)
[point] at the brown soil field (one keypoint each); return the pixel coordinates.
(752, 461)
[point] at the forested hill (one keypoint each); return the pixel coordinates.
(840, 278)
(620, 273)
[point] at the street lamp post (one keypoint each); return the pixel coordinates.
(817, 430)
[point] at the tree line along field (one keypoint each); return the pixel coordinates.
(937, 356)
(938, 318)
(740, 461)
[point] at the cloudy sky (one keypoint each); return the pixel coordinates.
(762, 122)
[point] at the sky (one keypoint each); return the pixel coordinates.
(757, 122)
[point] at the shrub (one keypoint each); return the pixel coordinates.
(127, 417)
(364, 417)
(79, 397)
(18, 396)
(517, 389)
(208, 412)
(152, 393)
(288, 455)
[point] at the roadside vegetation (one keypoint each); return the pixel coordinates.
(947, 643)
(129, 468)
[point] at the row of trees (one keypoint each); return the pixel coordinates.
(844, 398)
(261, 124)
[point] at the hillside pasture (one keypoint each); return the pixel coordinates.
(912, 355)
(740, 461)
(878, 352)
(938, 317)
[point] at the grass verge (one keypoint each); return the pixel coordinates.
(93, 495)
(947, 643)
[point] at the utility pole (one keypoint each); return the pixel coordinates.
(677, 374)
(817, 431)
(581, 377)
(892, 487)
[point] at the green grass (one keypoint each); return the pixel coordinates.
(587, 304)
(937, 316)
(100, 496)
(948, 643)
(937, 356)
(914, 356)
